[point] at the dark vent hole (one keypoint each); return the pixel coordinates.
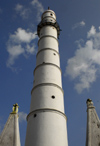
(54, 54)
(35, 115)
(53, 96)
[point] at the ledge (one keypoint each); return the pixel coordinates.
(47, 84)
(46, 110)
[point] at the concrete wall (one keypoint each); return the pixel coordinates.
(46, 121)
(47, 129)
(42, 98)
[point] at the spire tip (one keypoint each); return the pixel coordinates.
(15, 108)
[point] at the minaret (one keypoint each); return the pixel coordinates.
(10, 135)
(93, 125)
(46, 122)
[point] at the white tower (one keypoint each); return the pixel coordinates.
(46, 121)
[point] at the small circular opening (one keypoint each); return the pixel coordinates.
(35, 115)
(53, 96)
(51, 14)
(54, 54)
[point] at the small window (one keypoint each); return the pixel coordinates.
(53, 96)
(51, 14)
(35, 115)
(54, 53)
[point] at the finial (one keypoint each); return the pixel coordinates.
(89, 102)
(15, 108)
(48, 8)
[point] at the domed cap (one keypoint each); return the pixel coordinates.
(48, 13)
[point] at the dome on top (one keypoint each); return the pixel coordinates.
(48, 13)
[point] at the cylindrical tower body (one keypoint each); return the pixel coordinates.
(46, 121)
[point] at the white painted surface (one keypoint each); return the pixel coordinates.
(49, 13)
(93, 126)
(46, 129)
(48, 30)
(10, 135)
(42, 98)
(48, 42)
(47, 73)
(48, 56)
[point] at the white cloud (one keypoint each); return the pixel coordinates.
(18, 7)
(82, 23)
(20, 43)
(22, 116)
(26, 11)
(79, 24)
(92, 32)
(22, 11)
(14, 52)
(30, 49)
(39, 8)
(85, 65)
(22, 36)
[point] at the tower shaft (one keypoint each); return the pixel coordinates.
(46, 121)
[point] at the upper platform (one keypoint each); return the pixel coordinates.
(48, 18)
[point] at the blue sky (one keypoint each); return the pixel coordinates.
(79, 46)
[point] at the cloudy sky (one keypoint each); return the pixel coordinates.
(79, 45)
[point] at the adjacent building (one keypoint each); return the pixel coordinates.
(10, 135)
